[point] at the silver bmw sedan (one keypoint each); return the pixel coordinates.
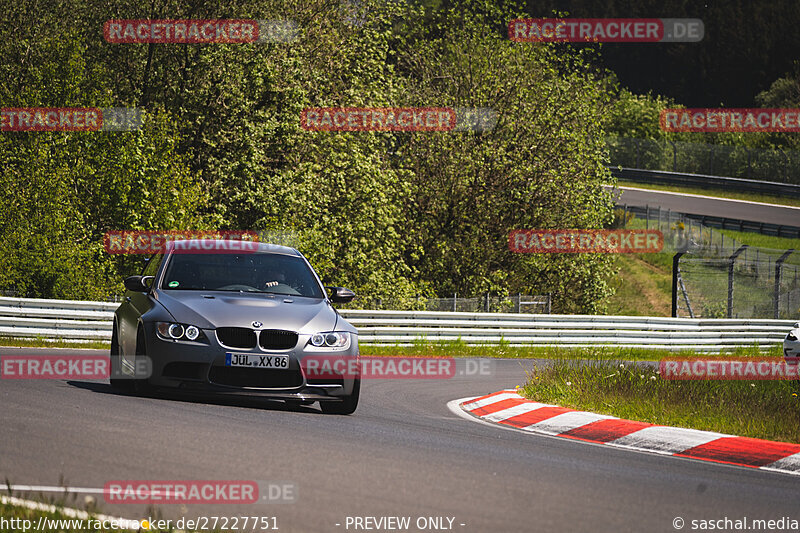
(235, 317)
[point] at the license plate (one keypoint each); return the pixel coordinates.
(279, 362)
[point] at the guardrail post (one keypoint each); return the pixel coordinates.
(676, 259)
(777, 294)
(455, 297)
(658, 212)
(549, 302)
(757, 261)
(487, 301)
(731, 261)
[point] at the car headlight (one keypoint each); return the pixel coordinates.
(791, 336)
(175, 331)
(192, 332)
(337, 340)
(178, 332)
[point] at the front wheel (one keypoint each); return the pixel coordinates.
(117, 382)
(346, 406)
(141, 385)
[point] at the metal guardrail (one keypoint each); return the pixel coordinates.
(776, 165)
(661, 177)
(764, 228)
(91, 321)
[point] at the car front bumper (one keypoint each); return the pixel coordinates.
(200, 367)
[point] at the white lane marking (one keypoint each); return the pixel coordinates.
(567, 421)
(787, 464)
(514, 411)
(666, 440)
(126, 523)
(705, 197)
(488, 401)
(50, 488)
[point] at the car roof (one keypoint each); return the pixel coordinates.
(188, 244)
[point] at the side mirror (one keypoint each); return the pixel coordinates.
(137, 283)
(340, 295)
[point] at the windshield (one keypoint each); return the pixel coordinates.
(250, 272)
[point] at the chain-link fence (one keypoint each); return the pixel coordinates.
(711, 159)
(717, 276)
(516, 303)
(681, 232)
(748, 283)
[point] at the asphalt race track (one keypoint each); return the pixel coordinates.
(403, 453)
(703, 205)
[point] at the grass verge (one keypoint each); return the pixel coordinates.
(24, 515)
(52, 343)
(767, 242)
(758, 409)
(503, 350)
(640, 288)
(20, 518)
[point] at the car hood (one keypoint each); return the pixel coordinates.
(213, 309)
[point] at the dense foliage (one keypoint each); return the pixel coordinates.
(386, 214)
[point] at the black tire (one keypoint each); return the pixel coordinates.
(118, 383)
(347, 406)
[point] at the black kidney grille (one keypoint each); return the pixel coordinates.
(237, 337)
(277, 339)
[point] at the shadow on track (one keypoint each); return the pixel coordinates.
(190, 397)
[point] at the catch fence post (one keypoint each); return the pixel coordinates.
(731, 261)
(777, 293)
